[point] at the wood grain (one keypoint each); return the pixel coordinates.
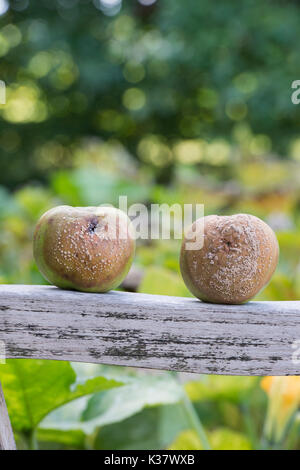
(7, 441)
(158, 332)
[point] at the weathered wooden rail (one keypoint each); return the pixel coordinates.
(158, 332)
(7, 441)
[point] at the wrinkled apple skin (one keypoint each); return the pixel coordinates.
(89, 249)
(237, 260)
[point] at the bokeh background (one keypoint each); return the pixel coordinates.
(166, 102)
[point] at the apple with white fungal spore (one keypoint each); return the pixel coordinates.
(238, 258)
(89, 249)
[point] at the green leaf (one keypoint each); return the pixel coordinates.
(220, 439)
(33, 388)
(138, 432)
(281, 287)
(129, 399)
(161, 281)
(213, 387)
(8, 205)
(186, 440)
(34, 201)
(151, 428)
(90, 187)
(108, 407)
(226, 439)
(55, 439)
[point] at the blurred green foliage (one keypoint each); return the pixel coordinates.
(171, 102)
(171, 81)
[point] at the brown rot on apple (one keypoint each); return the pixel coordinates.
(89, 249)
(238, 258)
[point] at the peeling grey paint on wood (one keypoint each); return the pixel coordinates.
(7, 441)
(157, 332)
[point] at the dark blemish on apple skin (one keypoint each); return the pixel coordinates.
(92, 225)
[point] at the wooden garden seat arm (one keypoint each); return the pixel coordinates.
(158, 332)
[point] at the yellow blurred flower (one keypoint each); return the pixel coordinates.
(290, 388)
(284, 400)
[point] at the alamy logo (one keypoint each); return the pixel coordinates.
(296, 94)
(2, 92)
(160, 221)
